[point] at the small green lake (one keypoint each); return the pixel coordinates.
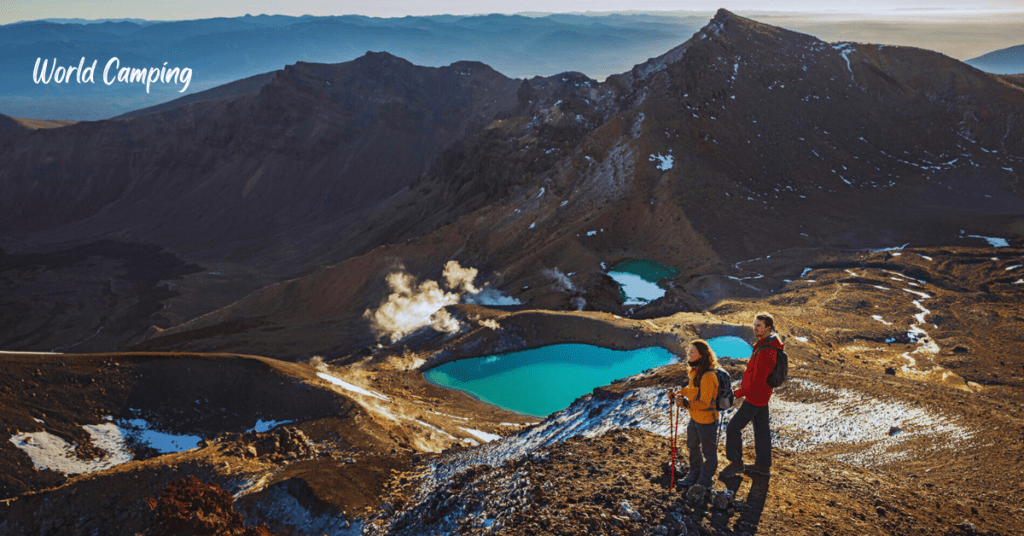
(638, 280)
(544, 380)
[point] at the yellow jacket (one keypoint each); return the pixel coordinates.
(703, 410)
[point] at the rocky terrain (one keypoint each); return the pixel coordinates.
(867, 196)
(883, 429)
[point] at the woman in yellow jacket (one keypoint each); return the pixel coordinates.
(701, 432)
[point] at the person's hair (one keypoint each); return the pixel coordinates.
(767, 318)
(708, 360)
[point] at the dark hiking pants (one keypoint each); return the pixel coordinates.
(702, 440)
(762, 434)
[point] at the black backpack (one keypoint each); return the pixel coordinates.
(725, 397)
(780, 373)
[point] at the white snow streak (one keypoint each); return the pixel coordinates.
(482, 436)
(348, 386)
(994, 242)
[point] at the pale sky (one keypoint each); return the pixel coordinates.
(20, 10)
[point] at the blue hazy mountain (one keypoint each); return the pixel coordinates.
(1005, 61)
(222, 50)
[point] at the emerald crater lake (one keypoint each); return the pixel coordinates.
(544, 380)
(638, 280)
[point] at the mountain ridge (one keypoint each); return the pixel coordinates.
(1005, 61)
(675, 161)
(596, 147)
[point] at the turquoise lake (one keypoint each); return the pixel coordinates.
(729, 346)
(544, 380)
(638, 280)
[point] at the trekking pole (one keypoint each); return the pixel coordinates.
(678, 420)
(672, 442)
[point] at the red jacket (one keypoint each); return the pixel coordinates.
(755, 378)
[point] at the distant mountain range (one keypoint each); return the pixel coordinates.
(223, 50)
(1005, 61)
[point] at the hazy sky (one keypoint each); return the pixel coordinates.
(19, 10)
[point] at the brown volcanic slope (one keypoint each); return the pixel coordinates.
(245, 86)
(256, 187)
(779, 147)
(238, 176)
(9, 124)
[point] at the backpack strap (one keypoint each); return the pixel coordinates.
(698, 381)
(768, 346)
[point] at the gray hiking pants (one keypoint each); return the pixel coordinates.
(762, 434)
(702, 440)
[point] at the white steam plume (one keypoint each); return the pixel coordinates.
(412, 305)
(459, 278)
(490, 323)
(489, 296)
(561, 279)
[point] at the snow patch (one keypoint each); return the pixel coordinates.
(638, 290)
(48, 451)
(841, 416)
(349, 387)
(482, 436)
(845, 49)
(834, 416)
(924, 312)
(994, 242)
(896, 248)
(665, 162)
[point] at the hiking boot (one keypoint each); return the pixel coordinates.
(731, 470)
(690, 480)
(757, 470)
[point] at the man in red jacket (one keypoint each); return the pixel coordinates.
(755, 393)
